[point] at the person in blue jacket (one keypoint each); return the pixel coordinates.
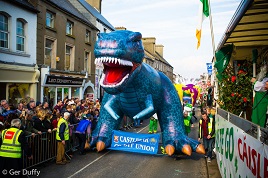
(83, 132)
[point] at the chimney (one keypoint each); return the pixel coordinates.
(149, 44)
(120, 28)
(159, 49)
(96, 4)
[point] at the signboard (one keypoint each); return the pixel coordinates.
(239, 154)
(135, 142)
(60, 80)
(209, 68)
(90, 96)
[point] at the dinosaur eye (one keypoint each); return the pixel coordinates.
(135, 36)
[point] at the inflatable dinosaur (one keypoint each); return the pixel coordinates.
(135, 89)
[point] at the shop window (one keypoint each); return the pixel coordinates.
(16, 92)
(4, 33)
(75, 92)
(49, 96)
(50, 19)
(20, 35)
(59, 94)
(62, 93)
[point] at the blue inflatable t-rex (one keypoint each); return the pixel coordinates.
(138, 91)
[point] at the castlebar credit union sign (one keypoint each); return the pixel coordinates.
(59, 80)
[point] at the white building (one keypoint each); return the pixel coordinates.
(18, 70)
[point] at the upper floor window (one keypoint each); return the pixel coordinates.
(69, 57)
(20, 35)
(48, 52)
(69, 28)
(87, 62)
(50, 19)
(88, 36)
(3, 31)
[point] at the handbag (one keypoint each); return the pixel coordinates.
(87, 145)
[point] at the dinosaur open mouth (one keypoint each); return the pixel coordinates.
(116, 71)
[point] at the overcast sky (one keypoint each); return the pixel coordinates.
(173, 23)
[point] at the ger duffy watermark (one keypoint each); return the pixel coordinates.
(24, 172)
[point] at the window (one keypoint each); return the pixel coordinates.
(20, 35)
(88, 36)
(48, 52)
(49, 19)
(86, 63)
(69, 57)
(69, 28)
(3, 31)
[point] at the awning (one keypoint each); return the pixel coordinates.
(249, 25)
(18, 73)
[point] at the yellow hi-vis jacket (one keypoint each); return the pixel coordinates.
(66, 132)
(11, 147)
(210, 127)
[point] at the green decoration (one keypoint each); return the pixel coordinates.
(236, 96)
(222, 59)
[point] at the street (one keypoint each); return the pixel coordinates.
(111, 164)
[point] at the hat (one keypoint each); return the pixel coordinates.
(71, 102)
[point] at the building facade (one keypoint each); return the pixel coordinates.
(65, 44)
(91, 9)
(18, 70)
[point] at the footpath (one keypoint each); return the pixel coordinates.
(212, 167)
(213, 170)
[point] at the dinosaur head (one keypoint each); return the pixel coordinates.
(121, 53)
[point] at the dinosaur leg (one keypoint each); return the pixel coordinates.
(102, 135)
(170, 118)
(186, 147)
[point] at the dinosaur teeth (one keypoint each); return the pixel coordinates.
(113, 60)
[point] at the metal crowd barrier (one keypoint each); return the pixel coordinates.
(250, 128)
(44, 147)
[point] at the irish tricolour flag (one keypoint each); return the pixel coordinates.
(202, 14)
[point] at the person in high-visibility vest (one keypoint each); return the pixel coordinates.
(11, 151)
(62, 136)
(207, 132)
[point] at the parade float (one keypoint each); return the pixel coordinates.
(134, 89)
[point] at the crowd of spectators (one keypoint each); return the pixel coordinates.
(38, 118)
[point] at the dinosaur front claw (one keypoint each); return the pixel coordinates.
(200, 149)
(186, 149)
(100, 146)
(170, 150)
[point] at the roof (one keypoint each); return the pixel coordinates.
(68, 7)
(24, 4)
(96, 13)
(163, 59)
(249, 25)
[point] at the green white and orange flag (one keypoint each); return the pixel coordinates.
(202, 14)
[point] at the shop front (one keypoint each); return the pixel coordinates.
(58, 87)
(18, 82)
